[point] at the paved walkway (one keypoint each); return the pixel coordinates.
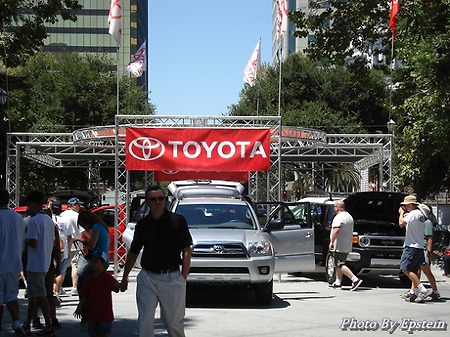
(208, 316)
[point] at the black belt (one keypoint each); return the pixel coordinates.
(163, 271)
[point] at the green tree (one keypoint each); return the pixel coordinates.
(332, 99)
(24, 25)
(50, 95)
(336, 28)
(422, 101)
(47, 95)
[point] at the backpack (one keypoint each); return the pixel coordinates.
(441, 240)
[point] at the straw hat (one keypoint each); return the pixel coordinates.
(410, 199)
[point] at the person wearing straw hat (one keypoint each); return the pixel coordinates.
(428, 247)
(412, 259)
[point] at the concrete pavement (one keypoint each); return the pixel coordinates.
(303, 306)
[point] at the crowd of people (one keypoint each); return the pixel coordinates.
(39, 248)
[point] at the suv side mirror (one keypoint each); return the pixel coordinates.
(276, 224)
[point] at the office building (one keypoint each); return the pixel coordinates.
(89, 34)
(290, 44)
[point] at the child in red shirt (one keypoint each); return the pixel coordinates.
(96, 296)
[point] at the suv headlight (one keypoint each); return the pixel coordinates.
(364, 241)
(259, 248)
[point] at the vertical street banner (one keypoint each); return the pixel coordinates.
(197, 149)
(137, 65)
(395, 8)
(282, 18)
(253, 65)
(115, 20)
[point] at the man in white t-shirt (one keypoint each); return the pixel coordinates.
(412, 258)
(341, 237)
(40, 240)
(70, 217)
(12, 231)
(66, 233)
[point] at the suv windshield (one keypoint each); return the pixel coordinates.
(217, 216)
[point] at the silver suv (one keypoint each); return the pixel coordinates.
(230, 248)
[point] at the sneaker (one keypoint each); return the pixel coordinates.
(18, 329)
(406, 295)
(56, 324)
(411, 298)
(74, 292)
(62, 291)
(356, 284)
(46, 332)
(422, 296)
(36, 323)
(57, 301)
(436, 296)
(334, 285)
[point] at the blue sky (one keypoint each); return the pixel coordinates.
(197, 51)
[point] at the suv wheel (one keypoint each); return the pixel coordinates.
(264, 293)
(330, 270)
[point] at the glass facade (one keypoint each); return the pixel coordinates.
(292, 44)
(89, 34)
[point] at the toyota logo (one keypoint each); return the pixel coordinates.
(170, 172)
(145, 148)
(218, 249)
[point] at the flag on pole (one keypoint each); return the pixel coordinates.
(138, 65)
(252, 66)
(115, 20)
(395, 8)
(282, 18)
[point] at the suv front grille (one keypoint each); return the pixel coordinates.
(383, 242)
(387, 242)
(219, 250)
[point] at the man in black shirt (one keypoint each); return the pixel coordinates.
(167, 244)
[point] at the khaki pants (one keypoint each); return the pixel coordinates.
(169, 290)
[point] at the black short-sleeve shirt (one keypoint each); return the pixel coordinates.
(163, 241)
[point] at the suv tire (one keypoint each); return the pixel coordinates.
(264, 293)
(330, 270)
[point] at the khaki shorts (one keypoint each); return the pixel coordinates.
(339, 259)
(74, 255)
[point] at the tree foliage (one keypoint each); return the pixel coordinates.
(420, 102)
(24, 25)
(336, 28)
(51, 95)
(332, 99)
(423, 98)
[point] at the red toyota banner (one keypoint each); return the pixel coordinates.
(197, 149)
(190, 175)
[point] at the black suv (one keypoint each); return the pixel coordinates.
(377, 238)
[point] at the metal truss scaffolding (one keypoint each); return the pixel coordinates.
(104, 147)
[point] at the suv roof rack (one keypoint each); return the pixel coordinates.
(205, 188)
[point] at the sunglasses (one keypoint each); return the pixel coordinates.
(156, 199)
